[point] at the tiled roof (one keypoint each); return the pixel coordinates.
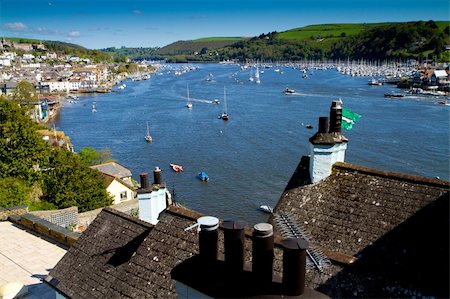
(121, 256)
(380, 218)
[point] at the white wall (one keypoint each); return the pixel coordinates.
(322, 159)
(116, 188)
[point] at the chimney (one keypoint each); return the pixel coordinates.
(262, 253)
(152, 200)
(234, 245)
(157, 180)
(207, 239)
(327, 145)
(144, 180)
(336, 117)
(294, 266)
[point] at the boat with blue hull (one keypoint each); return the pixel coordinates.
(203, 176)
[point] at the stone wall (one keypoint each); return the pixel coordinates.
(46, 228)
(19, 210)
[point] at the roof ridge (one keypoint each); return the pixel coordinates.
(127, 217)
(391, 174)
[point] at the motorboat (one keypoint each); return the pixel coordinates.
(375, 82)
(94, 107)
(224, 115)
(176, 168)
(393, 95)
(203, 176)
(266, 208)
(289, 91)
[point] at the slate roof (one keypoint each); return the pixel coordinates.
(396, 225)
(114, 169)
(121, 256)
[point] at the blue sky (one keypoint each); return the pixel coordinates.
(147, 23)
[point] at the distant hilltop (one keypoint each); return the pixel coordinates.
(418, 40)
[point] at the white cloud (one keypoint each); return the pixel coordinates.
(74, 33)
(16, 26)
(137, 12)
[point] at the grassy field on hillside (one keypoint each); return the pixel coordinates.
(324, 31)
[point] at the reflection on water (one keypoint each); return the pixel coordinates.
(250, 158)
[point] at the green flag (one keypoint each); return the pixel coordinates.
(349, 118)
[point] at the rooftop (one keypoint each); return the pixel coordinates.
(26, 257)
(380, 218)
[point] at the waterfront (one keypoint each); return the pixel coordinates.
(250, 158)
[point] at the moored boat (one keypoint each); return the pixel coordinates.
(176, 168)
(203, 176)
(148, 138)
(266, 208)
(289, 91)
(393, 95)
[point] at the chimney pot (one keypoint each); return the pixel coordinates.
(262, 253)
(323, 125)
(208, 237)
(157, 176)
(234, 244)
(336, 117)
(294, 266)
(144, 180)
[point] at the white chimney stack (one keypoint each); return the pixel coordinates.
(328, 145)
(152, 199)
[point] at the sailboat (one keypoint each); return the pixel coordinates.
(251, 75)
(188, 104)
(224, 115)
(148, 138)
(257, 76)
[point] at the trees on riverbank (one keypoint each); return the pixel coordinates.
(33, 174)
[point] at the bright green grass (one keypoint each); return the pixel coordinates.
(325, 30)
(23, 40)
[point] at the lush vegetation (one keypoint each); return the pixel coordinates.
(33, 174)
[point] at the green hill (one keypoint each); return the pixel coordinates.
(198, 45)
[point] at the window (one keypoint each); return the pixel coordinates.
(123, 195)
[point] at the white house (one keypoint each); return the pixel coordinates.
(118, 189)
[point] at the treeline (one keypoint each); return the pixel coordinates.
(402, 40)
(34, 174)
(382, 41)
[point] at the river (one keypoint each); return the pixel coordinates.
(250, 158)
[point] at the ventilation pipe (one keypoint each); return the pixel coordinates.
(294, 266)
(157, 179)
(207, 239)
(262, 253)
(234, 245)
(144, 180)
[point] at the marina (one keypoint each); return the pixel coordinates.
(251, 157)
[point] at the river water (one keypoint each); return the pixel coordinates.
(250, 158)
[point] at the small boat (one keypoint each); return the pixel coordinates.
(188, 104)
(224, 115)
(443, 103)
(94, 107)
(289, 91)
(393, 95)
(203, 176)
(216, 102)
(209, 77)
(176, 168)
(309, 126)
(375, 82)
(148, 138)
(266, 208)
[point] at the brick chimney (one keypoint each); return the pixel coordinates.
(152, 199)
(328, 145)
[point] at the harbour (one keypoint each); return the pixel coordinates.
(250, 158)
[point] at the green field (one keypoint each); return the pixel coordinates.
(325, 31)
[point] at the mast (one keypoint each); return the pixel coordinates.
(224, 101)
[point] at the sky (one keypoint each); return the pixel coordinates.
(97, 24)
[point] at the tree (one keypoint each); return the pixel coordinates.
(13, 192)
(22, 151)
(69, 182)
(25, 93)
(92, 157)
